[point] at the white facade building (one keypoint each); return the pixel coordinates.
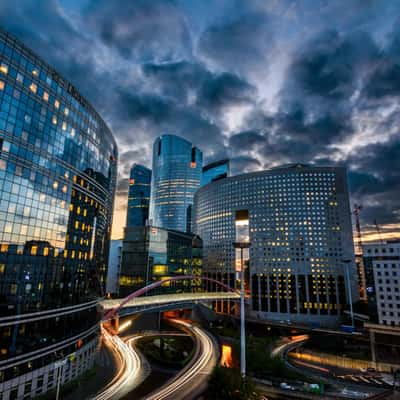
(382, 263)
(301, 264)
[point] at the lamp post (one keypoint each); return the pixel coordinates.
(241, 246)
(350, 298)
(59, 366)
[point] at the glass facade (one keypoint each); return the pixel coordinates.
(177, 169)
(215, 171)
(150, 254)
(139, 196)
(58, 165)
(300, 234)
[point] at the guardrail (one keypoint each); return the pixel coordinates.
(39, 315)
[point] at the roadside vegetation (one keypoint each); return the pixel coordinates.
(228, 384)
(171, 351)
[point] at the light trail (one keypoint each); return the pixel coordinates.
(193, 378)
(311, 366)
(131, 371)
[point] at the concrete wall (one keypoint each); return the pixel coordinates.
(43, 379)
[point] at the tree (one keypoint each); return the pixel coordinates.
(228, 384)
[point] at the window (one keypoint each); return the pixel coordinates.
(45, 96)
(56, 104)
(4, 68)
(34, 250)
(2, 85)
(33, 87)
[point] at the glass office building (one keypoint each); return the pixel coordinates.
(57, 181)
(215, 171)
(138, 196)
(150, 254)
(177, 169)
(300, 234)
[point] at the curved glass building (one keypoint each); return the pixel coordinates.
(57, 181)
(297, 220)
(176, 175)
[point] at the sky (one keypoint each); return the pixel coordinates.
(262, 82)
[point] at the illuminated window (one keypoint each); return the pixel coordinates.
(64, 189)
(1, 85)
(33, 87)
(54, 120)
(35, 72)
(72, 132)
(55, 185)
(56, 104)
(4, 248)
(4, 68)
(45, 96)
(160, 269)
(66, 111)
(64, 126)
(2, 268)
(46, 251)
(34, 250)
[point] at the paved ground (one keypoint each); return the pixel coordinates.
(105, 371)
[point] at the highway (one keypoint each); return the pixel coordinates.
(192, 380)
(132, 369)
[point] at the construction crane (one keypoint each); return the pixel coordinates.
(356, 211)
(378, 231)
(359, 253)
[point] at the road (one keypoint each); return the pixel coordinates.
(192, 380)
(132, 367)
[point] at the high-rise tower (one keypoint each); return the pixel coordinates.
(139, 196)
(57, 177)
(177, 171)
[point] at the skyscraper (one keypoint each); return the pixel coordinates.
(57, 178)
(177, 169)
(297, 218)
(215, 171)
(139, 196)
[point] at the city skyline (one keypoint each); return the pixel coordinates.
(296, 82)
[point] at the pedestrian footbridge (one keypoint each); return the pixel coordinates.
(162, 302)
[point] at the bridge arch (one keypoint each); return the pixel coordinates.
(111, 313)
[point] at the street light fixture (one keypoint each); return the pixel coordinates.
(242, 246)
(350, 299)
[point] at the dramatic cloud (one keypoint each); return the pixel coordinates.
(261, 82)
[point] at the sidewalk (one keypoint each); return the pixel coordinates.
(104, 371)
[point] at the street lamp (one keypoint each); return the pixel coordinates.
(242, 246)
(350, 299)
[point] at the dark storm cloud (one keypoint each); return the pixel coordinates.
(385, 78)
(159, 115)
(224, 90)
(240, 164)
(141, 29)
(246, 140)
(330, 64)
(151, 67)
(194, 83)
(239, 44)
